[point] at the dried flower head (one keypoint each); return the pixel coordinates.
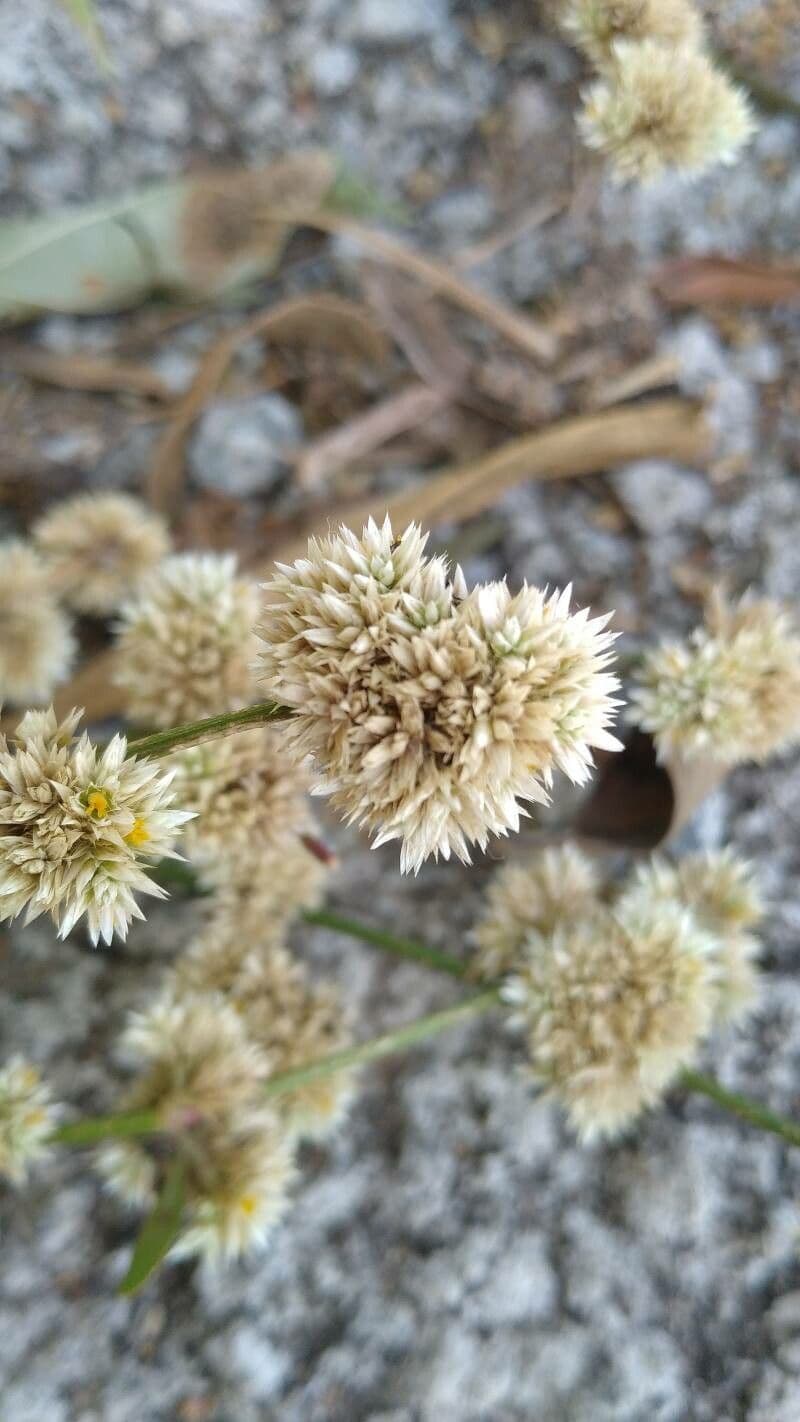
(27, 1117)
(661, 107)
(295, 1021)
(78, 826)
(596, 25)
(614, 1005)
(185, 646)
(429, 713)
(202, 1074)
(98, 547)
(290, 1018)
(731, 692)
(249, 798)
(262, 892)
(37, 647)
(721, 893)
(553, 886)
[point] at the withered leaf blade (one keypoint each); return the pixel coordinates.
(723, 281)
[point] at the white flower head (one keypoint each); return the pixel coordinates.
(27, 1118)
(596, 25)
(664, 107)
(98, 547)
(79, 826)
(37, 646)
(430, 729)
(730, 692)
(614, 1005)
(554, 885)
(185, 645)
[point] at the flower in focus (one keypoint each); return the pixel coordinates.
(78, 826)
(37, 647)
(722, 895)
(27, 1118)
(185, 645)
(660, 107)
(428, 713)
(731, 691)
(98, 547)
(553, 886)
(614, 1004)
(596, 25)
(202, 1074)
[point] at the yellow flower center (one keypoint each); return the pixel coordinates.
(98, 804)
(139, 834)
(248, 1204)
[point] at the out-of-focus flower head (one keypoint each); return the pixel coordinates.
(552, 886)
(596, 25)
(430, 713)
(660, 107)
(722, 894)
(202, 1074)
(185, 645)
(98, 547)
(37, 647)
(730, 692)
(79, 826)
(614, 1004)
(27, 1118)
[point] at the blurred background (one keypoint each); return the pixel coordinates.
(604, 381)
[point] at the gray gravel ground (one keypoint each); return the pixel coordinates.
(452, 1255)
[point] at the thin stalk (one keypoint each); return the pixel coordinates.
(378, 938)
(145, 1123)
(384, 1046)
(751, 1111)
(194, 733)
(100, 1128)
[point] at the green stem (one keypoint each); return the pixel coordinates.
(100, 1128)
(145, 1123)
(193, 733)
(378, 938)
(384, 1046)
(751, 1111)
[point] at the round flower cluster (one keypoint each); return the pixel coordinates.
(659, 101)
(98, 547)
(185, 645)
(27, 1118)
(730, 692)
(37, 647)
(596, 25)
(203, 1075)
(430, 713)
(289, 1018)
(556, 885)
(78, 826)
(617, 989)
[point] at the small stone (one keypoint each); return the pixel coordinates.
(333, 69)
(660, 496)
(243, 447)
(387, 22)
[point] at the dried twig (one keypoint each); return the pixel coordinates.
(89, 372)
(358, 437)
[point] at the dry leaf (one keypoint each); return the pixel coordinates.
(88, 372)
(709, 281)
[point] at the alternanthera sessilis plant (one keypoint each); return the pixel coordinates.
(430, 713)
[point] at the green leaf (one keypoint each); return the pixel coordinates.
(159, 1231)
(82, 12)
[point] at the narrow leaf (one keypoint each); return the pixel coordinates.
(159, 1231)
(82, 12)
